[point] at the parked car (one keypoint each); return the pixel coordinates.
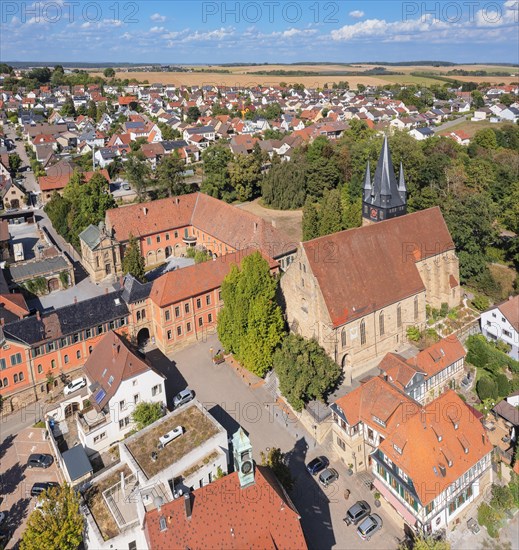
(357, 512)
(75, 385)
(39, 461)
(328, 476)
(369, 526)
(317, 464)
(39, 488)
(183, 397)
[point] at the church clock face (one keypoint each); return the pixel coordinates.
(246, 467)
(373, 213)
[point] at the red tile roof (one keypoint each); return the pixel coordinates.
(438, 356)
(257, 517)
(197, 279)
(384, 270)
(510, 309)
(422, 453)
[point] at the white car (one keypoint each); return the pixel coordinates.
(75, 385)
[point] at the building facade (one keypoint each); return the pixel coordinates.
(501, 322)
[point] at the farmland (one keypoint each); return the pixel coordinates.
(316, 75)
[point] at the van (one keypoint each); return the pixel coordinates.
(75, 385)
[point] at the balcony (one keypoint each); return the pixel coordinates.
(92, 419)
(189, 240)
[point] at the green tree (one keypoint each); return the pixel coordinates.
(109, 72)
(310, 220)
(68, 108)
(503, 385)
(305, 371)
(170, 175)
(427, 543)
(250, 324)
(146, 413)
(486, 388)
(331, 213)
(138, 174)
(92, 110)
(283, 186)
(193, 114)
(485, 138)
(58, 524)
(478, 100)
(275, 460)
(244, 176)
(133, 261)
(14, 162)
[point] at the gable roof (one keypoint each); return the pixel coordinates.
(384, 270)
(110, 363)
(422, 453)
(510, 309)
(438, 356)
(177, 285)
(221, 519)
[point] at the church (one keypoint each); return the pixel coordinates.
(357, 291)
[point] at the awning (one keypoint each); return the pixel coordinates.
(397, 505)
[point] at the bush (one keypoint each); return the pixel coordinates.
(486, 388)
(503, 386)
(413, 334)
(502, 497)
(444, 309)
(145, 414)
(480, 302)
(482, 354)
(489, 518)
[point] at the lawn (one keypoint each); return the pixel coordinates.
(471, 127)
(197, 429)
(411, 79)
(97, 505)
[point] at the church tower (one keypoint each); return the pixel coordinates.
(383, 198)
(243, 463)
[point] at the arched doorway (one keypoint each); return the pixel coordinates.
(53, 285)
(143, 337)
(71, 408)
(169, 251)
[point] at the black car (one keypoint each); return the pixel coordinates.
(39, 461)
(316, 465)
(357, 512)
(39, 488)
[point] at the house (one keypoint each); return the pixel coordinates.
(501, 322)
(11, 194)
(118, 380)
(359, 308)
(57, 180)
(55, 270)
(460, 137)
(510, 113)
(422, 133)
(434, 464)
(245, 509)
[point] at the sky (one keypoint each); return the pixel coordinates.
(264, 31)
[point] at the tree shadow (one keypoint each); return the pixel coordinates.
(11, 480)
(6, 444)
(15, 517)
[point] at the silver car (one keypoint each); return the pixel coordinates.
(328, 476)
(185, 396)
(369, 527)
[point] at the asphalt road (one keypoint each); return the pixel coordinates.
(29, 181)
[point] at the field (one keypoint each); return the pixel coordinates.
(241, 75)
(472, 127)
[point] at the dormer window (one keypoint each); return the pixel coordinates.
(397, 449)
(379, 421)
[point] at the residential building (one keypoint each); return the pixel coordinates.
(118, 380)
(501, 322)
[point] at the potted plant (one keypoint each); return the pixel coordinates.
(376, 496)
(218, 358)
(350, 469)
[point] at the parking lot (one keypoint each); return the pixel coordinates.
(233, 402)
(16, 480)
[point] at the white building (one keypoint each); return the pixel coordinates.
(118, 381)
(501, 322)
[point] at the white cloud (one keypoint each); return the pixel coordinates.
(158, 18)
(156, 30)
(297, 32)
(357, 14)
(216, 34)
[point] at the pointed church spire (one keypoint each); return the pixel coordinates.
(386, 166)
(402, 191)
(367, 184)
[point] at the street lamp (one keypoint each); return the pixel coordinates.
(315, 434)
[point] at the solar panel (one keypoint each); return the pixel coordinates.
(99, 396)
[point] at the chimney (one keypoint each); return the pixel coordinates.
(2, 322)
(187, 504)
(177, 201)
(255, 226)
(106, 290)
(145, 210)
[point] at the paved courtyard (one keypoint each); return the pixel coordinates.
(16, 480)
(235, 401)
